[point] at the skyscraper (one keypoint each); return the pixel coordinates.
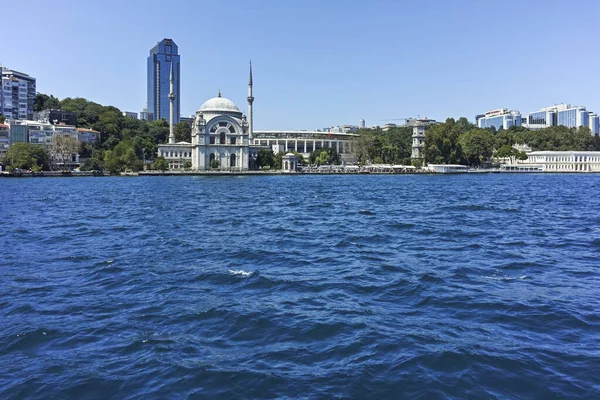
(162, 56)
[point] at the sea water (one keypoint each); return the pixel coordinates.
(388, 286)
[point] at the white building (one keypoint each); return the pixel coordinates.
(17, 94)
(500, 118)
(564, 161)
(305, 142)
(563, 114)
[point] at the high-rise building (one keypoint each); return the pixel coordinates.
(17, 94)
(563, 114)
(162, 56)
(501, 118)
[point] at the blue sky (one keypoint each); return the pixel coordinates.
(317, 63)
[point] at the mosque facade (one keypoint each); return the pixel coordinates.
(223, 138)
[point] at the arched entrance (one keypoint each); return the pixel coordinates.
(232, 160)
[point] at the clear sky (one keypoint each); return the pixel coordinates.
(317, 63)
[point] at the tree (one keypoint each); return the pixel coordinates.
(121, 158)
(326, 155)
(441, 143)
(214, 163)
(45, 102)
(27, 156)
(477, 146)
(64, 146)
(265, 158)
(2, 119)
(183, 132)
(187, 164)
(160, 164)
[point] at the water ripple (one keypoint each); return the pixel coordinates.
(300, 287)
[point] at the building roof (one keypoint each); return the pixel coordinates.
(219, 104)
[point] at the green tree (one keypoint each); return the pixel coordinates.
(187, 164)
(122, 158)
(183, 132)
(2, 119)
(326, 155)
(45, 102)
(477, 146)
(214, 163)
(160, 164)
(27, 156)
(441, 143)
(266, 158)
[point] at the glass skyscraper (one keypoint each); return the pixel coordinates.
(161, 57)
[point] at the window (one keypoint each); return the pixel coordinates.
(232, 140)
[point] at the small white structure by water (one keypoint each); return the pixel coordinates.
(289, 162)
(448, 168)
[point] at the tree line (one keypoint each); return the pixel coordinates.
(461, 142)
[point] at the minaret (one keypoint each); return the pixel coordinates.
(250, 101)
(172, 109)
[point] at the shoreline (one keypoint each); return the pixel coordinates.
(58, 174)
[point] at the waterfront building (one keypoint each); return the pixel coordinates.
(361, 124)
(562, 114)
(418, 136)
(305, 142)
(43, 133)
(162, 57)
(564, 161)
(500, 118)
(289, 162)
(17, 94)
(130, 114)
(56, 117)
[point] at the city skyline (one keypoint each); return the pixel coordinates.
(329, 65)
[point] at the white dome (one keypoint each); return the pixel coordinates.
(219, 104)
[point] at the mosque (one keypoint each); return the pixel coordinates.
(223, 138)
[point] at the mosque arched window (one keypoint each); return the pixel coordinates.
(232, 160)
(222, 138)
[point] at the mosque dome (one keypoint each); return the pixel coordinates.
(219, 104)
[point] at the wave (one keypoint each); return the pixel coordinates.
(241, 272)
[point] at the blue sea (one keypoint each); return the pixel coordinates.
(300, 287)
